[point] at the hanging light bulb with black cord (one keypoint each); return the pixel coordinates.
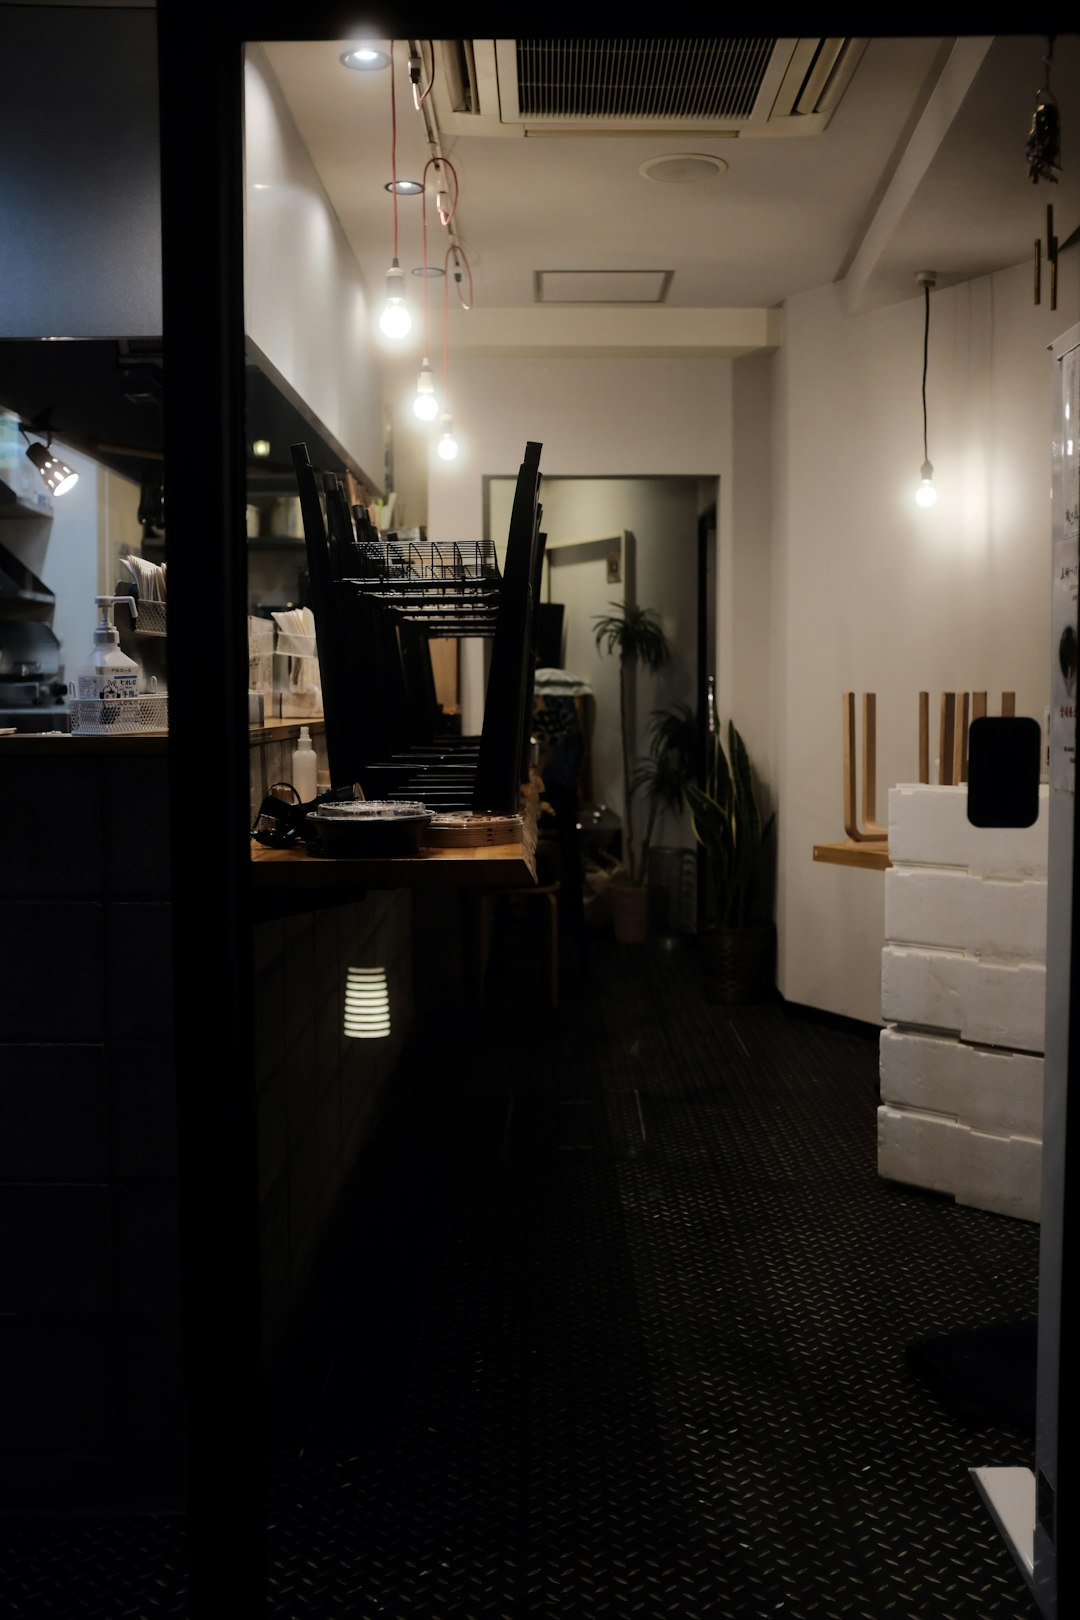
(926, 494)
(395, 321)
(447, 447)
(58, 477)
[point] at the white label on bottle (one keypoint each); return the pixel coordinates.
(108, 685)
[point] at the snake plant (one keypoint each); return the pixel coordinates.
(727, 824)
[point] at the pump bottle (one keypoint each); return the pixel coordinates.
(108, 673)
(305, 767)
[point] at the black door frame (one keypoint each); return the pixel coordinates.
(201, 56)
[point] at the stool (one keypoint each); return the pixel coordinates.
(543, 895)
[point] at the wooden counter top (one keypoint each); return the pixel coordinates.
(484, 866)
(497, 866)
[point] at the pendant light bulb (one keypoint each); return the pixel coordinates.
(425, 405)
(395, 320)
(447, 445)
(926, 494)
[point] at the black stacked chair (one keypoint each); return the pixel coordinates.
(377, 601)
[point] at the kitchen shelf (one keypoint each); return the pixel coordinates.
(19, 508)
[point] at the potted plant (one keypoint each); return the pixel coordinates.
(637, 637)
(663, 774)
(735, 935)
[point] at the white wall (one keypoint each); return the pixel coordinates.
(305, 304)
(830, 579)
(595, 419)
(660, 517)
(872, 593)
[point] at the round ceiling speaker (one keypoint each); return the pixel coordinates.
(680, 168)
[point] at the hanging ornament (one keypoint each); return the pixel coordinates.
(1044, 136)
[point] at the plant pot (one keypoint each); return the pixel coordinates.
(630, 912)
(737, 963)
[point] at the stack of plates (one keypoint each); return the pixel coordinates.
(450, 831)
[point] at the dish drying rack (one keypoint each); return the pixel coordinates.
(451, 589)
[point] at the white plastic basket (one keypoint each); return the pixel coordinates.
(260, 634)
(295, 646)
(110, 717)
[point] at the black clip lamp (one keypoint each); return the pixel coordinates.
(58, 476)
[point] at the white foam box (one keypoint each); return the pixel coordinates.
(990, 1003)
(945, 906)
(1002, 1174)
(928, 825)
(989, 1088)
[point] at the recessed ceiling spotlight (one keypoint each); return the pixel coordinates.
(365, 58)
(681, 168)
(404, 188)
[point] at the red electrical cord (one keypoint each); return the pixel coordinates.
(446, 218)
(423, 235)
(393, 147)
(446, 333)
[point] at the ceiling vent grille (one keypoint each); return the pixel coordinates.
(725, 87)
(672, 80)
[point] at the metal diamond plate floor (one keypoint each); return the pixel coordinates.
(621, 1333)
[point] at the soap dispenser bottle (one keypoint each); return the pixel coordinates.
(305, 767)
(108, 673)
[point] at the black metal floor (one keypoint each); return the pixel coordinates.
(621, 1332)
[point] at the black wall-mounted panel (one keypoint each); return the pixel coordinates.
(1004, 762)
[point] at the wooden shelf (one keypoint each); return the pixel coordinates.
(17, 506)
(871, 856)
(481, 866)
(488, 866)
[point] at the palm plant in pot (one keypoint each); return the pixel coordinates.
(735, 935)
(636, 636)
(665, 772)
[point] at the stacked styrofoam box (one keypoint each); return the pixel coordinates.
(963, 991)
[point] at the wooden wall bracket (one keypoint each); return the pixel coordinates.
(870, 831)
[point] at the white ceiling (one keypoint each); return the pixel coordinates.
(922, 167)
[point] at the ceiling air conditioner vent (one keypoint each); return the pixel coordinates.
(633, 86)
(638, 80)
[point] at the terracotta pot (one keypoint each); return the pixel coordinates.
(737, 963)
(630, 912)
